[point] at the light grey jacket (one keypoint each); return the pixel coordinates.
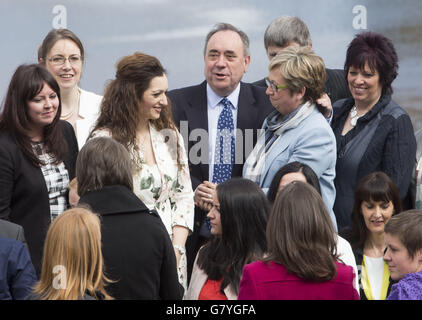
(311, 142)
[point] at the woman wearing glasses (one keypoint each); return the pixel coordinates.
(296, 130)
(62, 53)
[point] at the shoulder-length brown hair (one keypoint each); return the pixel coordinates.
(103, 162)
(300, 234)
(26, 83)
(119, 112)
(74, 244)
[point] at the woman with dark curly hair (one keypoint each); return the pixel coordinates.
(136, 112)
(373, 132)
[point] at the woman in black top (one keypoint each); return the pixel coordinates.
(373, 133)
(37, 155)
(138, 253)
(376, 201)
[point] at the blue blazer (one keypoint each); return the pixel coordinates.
(313, 143)
(17, 274)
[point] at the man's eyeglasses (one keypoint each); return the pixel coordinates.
(274, 86)
(60, 60)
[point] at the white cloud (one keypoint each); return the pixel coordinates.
(169, 34)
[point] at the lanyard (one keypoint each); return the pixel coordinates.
(365, 281)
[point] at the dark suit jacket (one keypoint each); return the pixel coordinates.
(23, 193)
(136, 246)
(190, 104)
(335, 85)
(12, 231)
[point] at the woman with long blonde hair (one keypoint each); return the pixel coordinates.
(72, 266)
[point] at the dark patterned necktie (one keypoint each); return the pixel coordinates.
(224, 144)
(224, 153)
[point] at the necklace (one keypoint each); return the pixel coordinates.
(70, 114)
(67, 115)
(354, 116)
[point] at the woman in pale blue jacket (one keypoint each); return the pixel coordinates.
(296, 130)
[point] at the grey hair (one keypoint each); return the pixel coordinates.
(286, 29)
(222, 26)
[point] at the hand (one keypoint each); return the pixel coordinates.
(204, 193)
(325, 102)
(205, 206)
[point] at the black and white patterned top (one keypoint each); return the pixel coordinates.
(56, 179)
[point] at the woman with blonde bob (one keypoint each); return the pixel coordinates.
(296, 130)
(302, 261)
(72, 263)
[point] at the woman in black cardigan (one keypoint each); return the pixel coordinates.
(373, 132)
(138, 254)
(37, 155)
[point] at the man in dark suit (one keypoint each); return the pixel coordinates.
(198, 109)
(287, 31)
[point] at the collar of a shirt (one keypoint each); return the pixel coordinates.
(214, 99)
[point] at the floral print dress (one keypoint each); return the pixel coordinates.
(164, 187)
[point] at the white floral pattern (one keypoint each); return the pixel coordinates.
(164, 187)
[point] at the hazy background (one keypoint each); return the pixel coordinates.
(174, 31)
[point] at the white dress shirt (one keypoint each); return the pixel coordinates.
(214, 108)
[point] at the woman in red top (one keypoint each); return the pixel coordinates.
(302, 261)
(238, 220)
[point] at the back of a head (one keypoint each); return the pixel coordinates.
(407, 227)
(300, 234)
(244, 209)
(103, 162)
(284, 30)
(301, 67)
(73, 249)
